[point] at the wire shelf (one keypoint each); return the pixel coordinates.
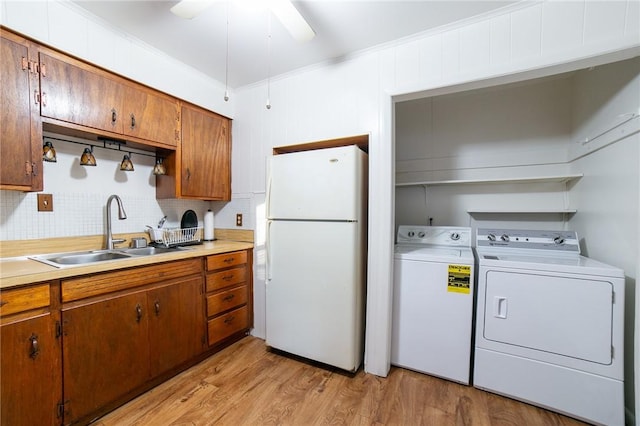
(181, 236)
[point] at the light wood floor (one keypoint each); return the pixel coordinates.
(247, 384)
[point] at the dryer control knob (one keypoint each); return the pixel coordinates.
(558, 240)
(421, 234)
(504, 237)
(491, 237)
(455, 236)
(411, 234)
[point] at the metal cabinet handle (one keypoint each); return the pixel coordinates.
(228, 260)
(35, 347)
(156, 305)
(229, 320)
(133, 121)
(229, 297)
(227, 278)
(138, 312)
(114, 116)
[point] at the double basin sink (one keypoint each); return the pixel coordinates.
(61, 260)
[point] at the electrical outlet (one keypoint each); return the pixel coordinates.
(45, 202)
(239, 219)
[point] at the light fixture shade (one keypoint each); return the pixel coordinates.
(159, 169)
(87, 158)
(126, 165)
(49, 152)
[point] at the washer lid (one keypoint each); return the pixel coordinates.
(432, 253)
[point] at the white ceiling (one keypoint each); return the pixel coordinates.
(341, 27)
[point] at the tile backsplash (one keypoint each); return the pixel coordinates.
(76, 214)
(80, 196)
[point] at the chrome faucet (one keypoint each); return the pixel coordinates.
(121, 215)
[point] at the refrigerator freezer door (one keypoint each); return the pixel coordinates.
(314, 292)
(324, 184)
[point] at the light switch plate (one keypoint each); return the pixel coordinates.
(45, 202)
(239, 219)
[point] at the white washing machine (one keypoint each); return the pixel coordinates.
(550, 324)
(433, 301)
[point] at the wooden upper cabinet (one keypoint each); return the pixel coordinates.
(201, 167)
(82, 95)
(20, 128)
(150, 116)
(76, 95)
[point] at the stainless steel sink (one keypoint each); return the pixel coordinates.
(79, 258)
(62, 260)
(148, 251)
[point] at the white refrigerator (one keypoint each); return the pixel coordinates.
(316, 255)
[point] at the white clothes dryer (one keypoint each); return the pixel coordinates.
(433, 301)
(550, 324)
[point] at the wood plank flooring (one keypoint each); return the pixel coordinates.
(248, 384)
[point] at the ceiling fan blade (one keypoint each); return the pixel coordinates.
(292, 20)
(189, 9)
(284, 10)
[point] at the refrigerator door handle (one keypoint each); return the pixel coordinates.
(269, 193)
(268, 251)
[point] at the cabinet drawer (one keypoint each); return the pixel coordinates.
(226, 260)
(108, 282)
(24, 299)
(225, 325)
(226, 278)
(226, 300)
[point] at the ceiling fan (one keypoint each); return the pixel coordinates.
(284, 10)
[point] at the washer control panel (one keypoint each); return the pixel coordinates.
(566, 241)
(457, 236)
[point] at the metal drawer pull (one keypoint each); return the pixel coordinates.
(229, 320)
(229, 259)
(35, 348)
(227, 277)
(157, 307)
(138, 312)
(229, 297)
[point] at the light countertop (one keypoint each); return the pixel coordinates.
(21, 270)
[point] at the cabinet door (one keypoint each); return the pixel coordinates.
(20, 130)
(176, 324)
(31, 385)
(105, 352)
(205, 166)
(151, 117)
(79, 96)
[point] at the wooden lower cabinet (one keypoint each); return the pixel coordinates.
(106, 354)
(229, 295)
(30, 364)
(115, 344)
(74, 349)
(175, 324)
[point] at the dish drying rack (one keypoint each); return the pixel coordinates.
(174, 237)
